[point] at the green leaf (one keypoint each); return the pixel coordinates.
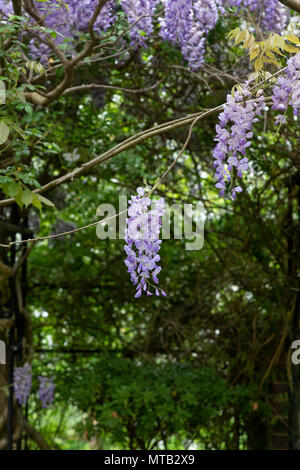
(36, 201)
(26, 197)
(5, 179)
(2, 92)
(45, 200)
(12, 189)
(4, 132)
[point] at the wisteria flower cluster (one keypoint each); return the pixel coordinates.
(68, 19)
(287, 90)
(183, 22)
(143, 243)
(234, 133)
(187, 23)
(46, 390)
(22, 383)
(270, 15)
(139, 16)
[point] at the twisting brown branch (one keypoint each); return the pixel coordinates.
(93, 224)
(22, 259)
(180, 153)
(69, 65)
(95, 86)
(32, 11)
(36, 436)
(293, 4)
(119, 148)
(131, 142)
(61, 234)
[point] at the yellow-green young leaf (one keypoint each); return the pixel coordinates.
(26, 197)
(253, 76)
(258, 64)
(279, 41)
(277, 51)
(45, 200)
(254, 52)
(36, 201)
(20, 95)
(233, 33)
(291, 49)
(18, 199)
(249, 42)
(274, 41)
(292, 38)
(2, 92)
(241, 36)
(272, 61)
(4, 132)
(270, 54)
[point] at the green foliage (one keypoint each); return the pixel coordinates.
(139, 404)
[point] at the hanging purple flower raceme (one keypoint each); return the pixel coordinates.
(6, 9)
(270, 15)
(81, 13)
(187, 23)
(46, 390)
(276, 16)
(177, 20)
(139, 16)
(143, 243)
(287, 90)
(183, 22)
(206, 12)
(22, 383)
(193, 50)
(68, 18)
(234, 133)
